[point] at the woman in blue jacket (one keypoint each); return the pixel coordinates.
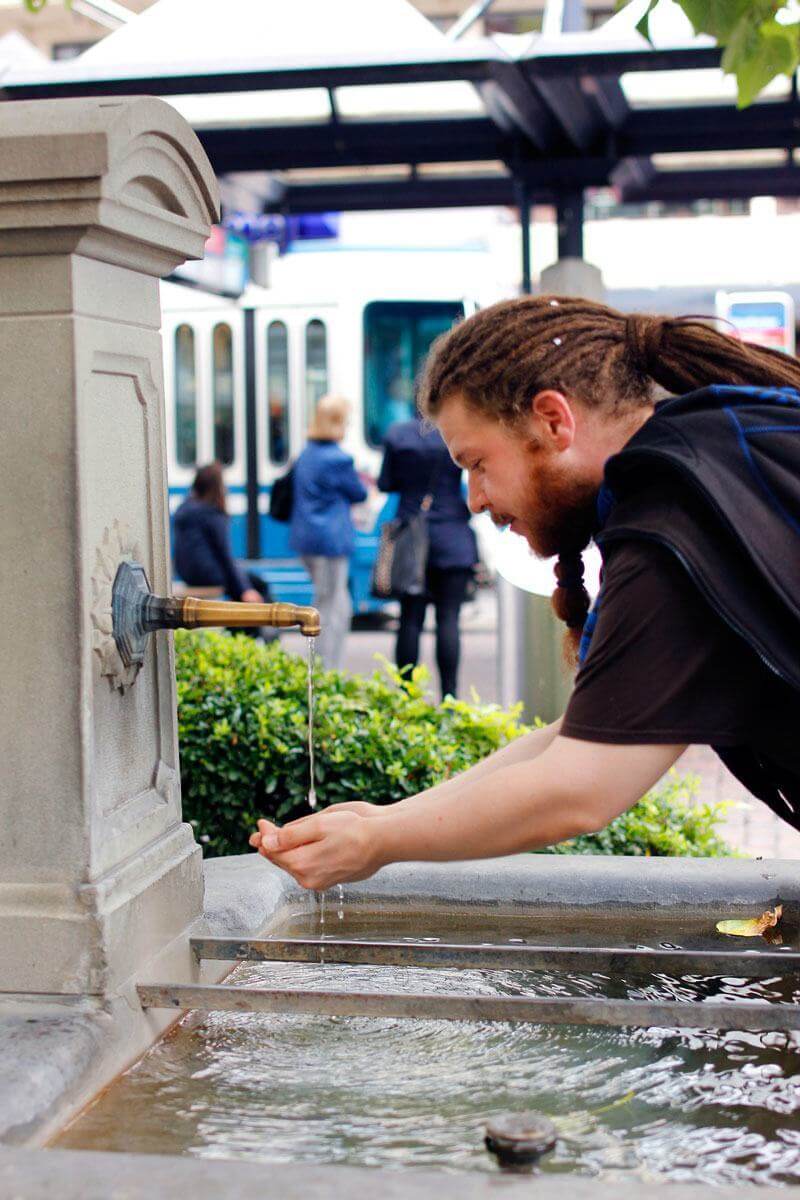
(415, 463)
(325, 486)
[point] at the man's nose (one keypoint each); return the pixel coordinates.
(476, 500)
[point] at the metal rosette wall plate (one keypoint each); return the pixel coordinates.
(120, 658)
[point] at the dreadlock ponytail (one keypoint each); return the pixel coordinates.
(684, 353)
(571, 602)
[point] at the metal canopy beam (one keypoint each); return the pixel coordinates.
(547, 62)
(473, 62)
(353, 143)
(543, 181)
(405, 193)
(471, 65)
(710, 127)
(683, 187)
(516, 107)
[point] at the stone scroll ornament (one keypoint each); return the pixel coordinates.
(118, 546)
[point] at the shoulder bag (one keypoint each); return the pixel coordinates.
(402, 558)
(281, 500)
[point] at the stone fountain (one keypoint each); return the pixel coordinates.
(98, 873)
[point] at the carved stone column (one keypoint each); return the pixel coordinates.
(98, 198)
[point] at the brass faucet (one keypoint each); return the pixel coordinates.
(136, 612)
(196, 614)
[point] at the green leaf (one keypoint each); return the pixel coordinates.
(720, 18)
(756, 47)
(643, 25)
(756, 55)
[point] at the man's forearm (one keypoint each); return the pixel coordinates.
(522, 749)
(523, 808)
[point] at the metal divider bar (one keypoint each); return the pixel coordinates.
(754, 1017)
(586, 959)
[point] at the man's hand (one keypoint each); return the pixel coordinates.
(251, 596)
(320, 850)
(358, 806)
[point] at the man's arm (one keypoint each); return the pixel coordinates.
(522, 749)
(572, 787)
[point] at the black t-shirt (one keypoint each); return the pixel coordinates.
(664, 668)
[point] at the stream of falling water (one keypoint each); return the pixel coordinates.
(312, 793)
(312, 796)
(312, 800)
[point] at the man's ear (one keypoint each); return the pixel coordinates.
(554, 418)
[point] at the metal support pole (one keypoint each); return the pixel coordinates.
(253, 516)
(524, 206)
(570, 224)
(563, 16)
(468, 19)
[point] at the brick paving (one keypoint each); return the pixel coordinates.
(749, 826)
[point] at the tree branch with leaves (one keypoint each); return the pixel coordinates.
(760, 39)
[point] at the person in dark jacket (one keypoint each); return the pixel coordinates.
(201, 543)
(548, 403)
(415, 464)
(326, 485)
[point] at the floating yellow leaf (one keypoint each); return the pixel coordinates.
(755, 926)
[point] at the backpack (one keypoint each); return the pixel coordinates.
(281, 500)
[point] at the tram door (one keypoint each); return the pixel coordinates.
(293, 357)
(204, 387)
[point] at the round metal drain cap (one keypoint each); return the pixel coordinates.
(520, 1139)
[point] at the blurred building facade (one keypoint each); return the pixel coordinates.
(59, 31)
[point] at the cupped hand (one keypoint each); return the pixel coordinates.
(322, 849)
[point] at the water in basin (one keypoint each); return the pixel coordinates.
(657, 1103)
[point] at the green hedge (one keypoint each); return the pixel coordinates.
(242, 712)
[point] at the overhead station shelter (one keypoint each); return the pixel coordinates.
(310, 106)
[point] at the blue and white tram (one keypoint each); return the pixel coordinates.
(243, 376)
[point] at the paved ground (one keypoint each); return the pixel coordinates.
(750, 826)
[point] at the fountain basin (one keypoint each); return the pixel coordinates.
(643, 1105)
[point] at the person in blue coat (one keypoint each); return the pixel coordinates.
(415, 463)
(325, 485)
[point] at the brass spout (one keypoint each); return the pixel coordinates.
(138, 612)
(197, 614)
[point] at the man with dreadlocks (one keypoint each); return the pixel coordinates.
(694, 501)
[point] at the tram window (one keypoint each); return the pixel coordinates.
(185, 397)
(316, 364)
(397, 337)
(223, 394)
(278, 391)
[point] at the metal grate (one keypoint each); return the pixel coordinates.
(603, 960)
(756, 1016)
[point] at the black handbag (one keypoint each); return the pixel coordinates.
(281, 500)
(402, 558)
